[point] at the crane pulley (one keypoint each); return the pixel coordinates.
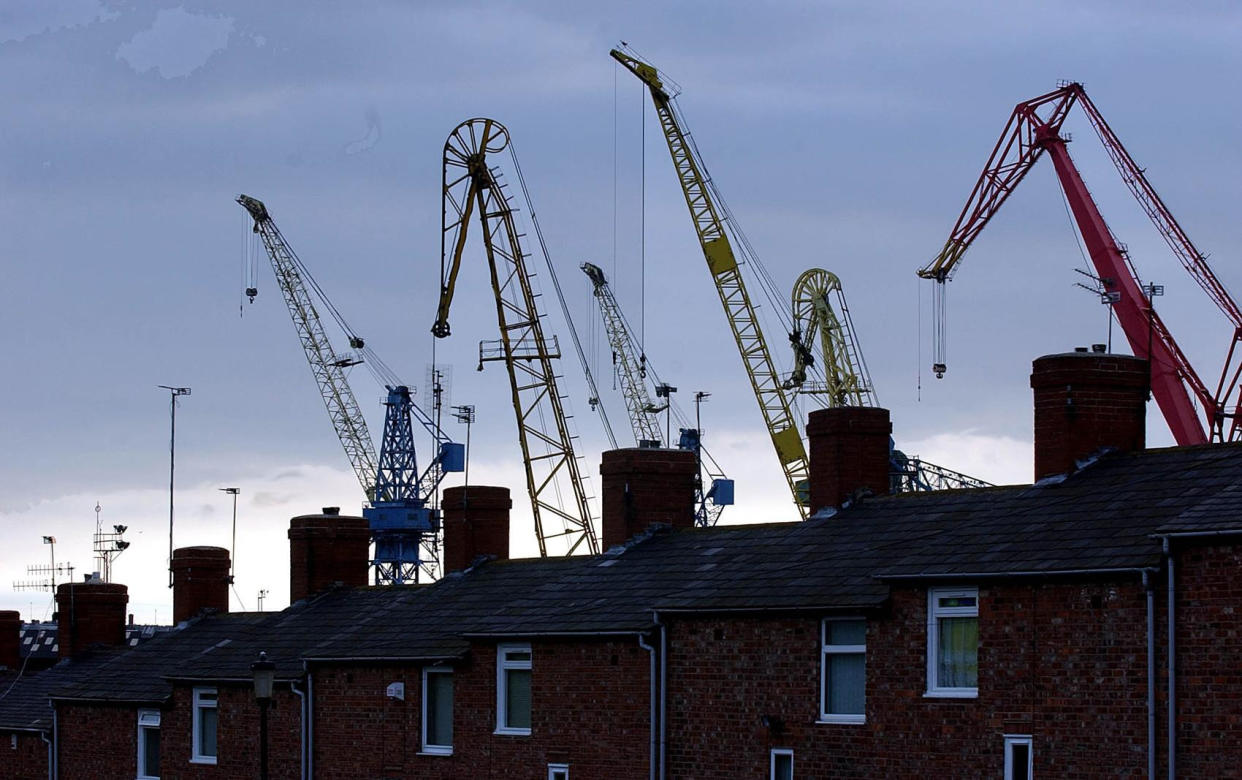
(1034, 128)
(471, 186)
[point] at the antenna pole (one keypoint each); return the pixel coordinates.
(173, 393)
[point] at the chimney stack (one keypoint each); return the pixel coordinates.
(476, 522)
(90, 612)
(1085, 401)
(200, 581)
(327, 549)
(642, 486)
(10, 639)
(849, 451)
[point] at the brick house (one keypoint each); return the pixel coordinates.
(1003, 632)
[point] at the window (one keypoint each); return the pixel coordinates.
(148, 744)
(1019, 757)
(781, 764)
(843, 671)
(558, 771)
(204, 749)
(438, 711)
(513, 689)
(953, 642)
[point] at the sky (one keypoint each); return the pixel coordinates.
(843, 135)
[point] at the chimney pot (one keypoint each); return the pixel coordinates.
(1085, 402)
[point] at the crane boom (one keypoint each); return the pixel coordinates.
(846, 379)
(551, 466)
(1033, 128)
(726, 273)
(630, 367)
(327, 367)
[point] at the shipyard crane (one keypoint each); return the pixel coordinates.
(327, 367)
(403, 521)
(713, 228)
(1035, 127)
(846, 379)
(552, 468)
(632, 369)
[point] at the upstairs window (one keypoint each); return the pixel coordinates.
(513, 676)
(204, 725)
(148, 744)
(438, 711)
(1019, 757)
(843, 671)
(780, 764)
(953, 642)
(558, 771)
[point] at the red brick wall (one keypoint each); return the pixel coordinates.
(1065, 663)
(25, 759)
(1209, 660)
(237, 737)
(96, 743)
(590, 709)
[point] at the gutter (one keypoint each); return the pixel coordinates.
(380, 658)
(503, 634)
(999, 574)
(651, 676)
(1193, 534)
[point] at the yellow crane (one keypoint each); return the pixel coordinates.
(552, 469)
(722, 263)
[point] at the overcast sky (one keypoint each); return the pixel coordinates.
(844, 135)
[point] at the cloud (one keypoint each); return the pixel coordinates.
(20, 19)
(177, 44)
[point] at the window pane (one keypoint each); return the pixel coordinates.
(517, 703)
(782, 766)
(207, 731)
(439, 709)
(959, 653)
(517, 655)
(150, 753)
(847, 632)
(1021, 756)
(847, 679)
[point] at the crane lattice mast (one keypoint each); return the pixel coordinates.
(552, 468)
(327, 367)
(726, 274)
(1034, 128)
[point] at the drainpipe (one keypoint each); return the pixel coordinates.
(1168, 558)
(651, 761)
(51, 757)
(293, 686)
(53, 765)
(663, 689)
(1151, 674)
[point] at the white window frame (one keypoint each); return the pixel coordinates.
(503, 664)
(1019, 739)
(428, 748)
(827, 650)
(934, 613)
(196, 754)
(772, 754)
(148, 720)
(558, 771)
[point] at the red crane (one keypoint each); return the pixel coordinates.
(1033, 128)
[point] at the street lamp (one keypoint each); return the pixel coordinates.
(264, 675)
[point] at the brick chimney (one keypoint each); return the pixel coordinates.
(1085, 401)
(90, 612)
(200, 581)
(326, 549)
(644, 486)
(476, 522)
(10, 639)
(848, 452)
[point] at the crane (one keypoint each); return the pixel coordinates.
(403, 525)
(632, 368)
(1035, 127)
(327, 367)
(709, 216)
(552, 468)
(847, 382)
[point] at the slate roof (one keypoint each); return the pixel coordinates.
(39, 641)
(1105, 517)
(24, 702)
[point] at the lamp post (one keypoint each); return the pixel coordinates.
(264, 675)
